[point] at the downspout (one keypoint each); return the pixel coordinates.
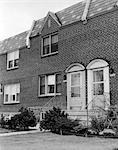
(85, 13)
(28, 36)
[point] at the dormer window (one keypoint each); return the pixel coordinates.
(50, 44)
(12, 60)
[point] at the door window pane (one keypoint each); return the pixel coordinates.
(98, 76)
(98, 89)
(75, 79)
(75, 91)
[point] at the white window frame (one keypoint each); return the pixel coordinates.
(46, 86)
(50, 42)
(12, 57)
(10, 90)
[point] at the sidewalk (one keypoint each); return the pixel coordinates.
(20, 132)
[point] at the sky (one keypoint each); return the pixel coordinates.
(16, 16)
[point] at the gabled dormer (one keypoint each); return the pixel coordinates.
(49, 35)
(51, 24)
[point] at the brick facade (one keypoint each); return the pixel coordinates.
(78, 42)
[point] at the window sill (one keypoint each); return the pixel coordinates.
(50, 95)
(8, 69)
(50, 54)
(8, 103)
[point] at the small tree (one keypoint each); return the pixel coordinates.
(23, 120)
(57, 121)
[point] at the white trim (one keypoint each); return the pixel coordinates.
(75, 67)
(97, 63)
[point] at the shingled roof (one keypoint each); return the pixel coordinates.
(75, 12)
(65, 16)
(13, 43)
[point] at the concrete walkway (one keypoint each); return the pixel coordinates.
(20, 132)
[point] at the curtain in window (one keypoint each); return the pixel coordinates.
(51, 83)
(98, 76)
(51, 79)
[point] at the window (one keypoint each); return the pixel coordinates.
(75, 85)
(42, 115)
(11, 93)
(12, 60)
(98, 82)
(50, 44)
(50, 84)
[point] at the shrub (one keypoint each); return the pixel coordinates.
(23, 120)
(57, 121)
(97, 124)
(2, 121)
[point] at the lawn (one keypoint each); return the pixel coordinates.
(49, 141)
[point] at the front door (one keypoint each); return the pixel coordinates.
(76, 91)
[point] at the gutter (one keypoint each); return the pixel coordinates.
(29, 34)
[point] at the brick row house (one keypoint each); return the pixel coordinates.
(67, 59)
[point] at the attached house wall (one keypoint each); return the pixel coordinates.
(78, 43)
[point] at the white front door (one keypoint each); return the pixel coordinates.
(76, 91)
(98, 88)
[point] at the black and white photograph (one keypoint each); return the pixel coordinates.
(58, 74)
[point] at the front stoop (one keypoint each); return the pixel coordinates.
(82, 115)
